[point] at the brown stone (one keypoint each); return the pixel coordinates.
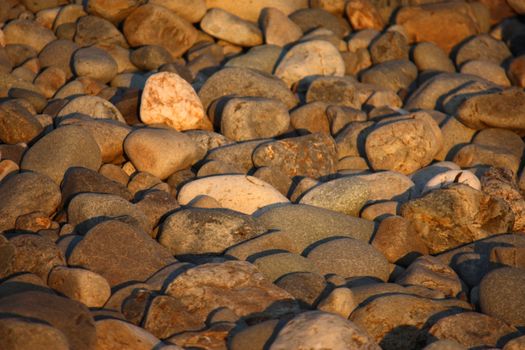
(363, 14)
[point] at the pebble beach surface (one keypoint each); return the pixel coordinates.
(262, 174)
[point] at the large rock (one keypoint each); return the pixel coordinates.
(459, 214)
(245, 82)
(26, 193)
(404, 145)
(445, 24)
(502, 295)
(349, 257)
(70, 317)
(237, 285)
(498, 110)
(161, 152)
(153, 25)
(241, 193)
(315, 57)
(61, 149)
(168, 99)
(311, 155)
(199, 231)
(395, 330)
(120, 253)
(317, 330)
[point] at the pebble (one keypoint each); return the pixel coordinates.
(310, 58)
(168, 99)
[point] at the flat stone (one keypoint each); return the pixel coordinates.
(150, 150)
(168, 99)
(199, 231)
(226, 26)
(237, 285)
(311, 155)
(152, 25)
(110, 247)
(349, 257)
(26, 193)
(250, 118)
(315, 57)
(244, 82)
(70, 317)
(318, 330)
(405, 145)
(460, 214)
(346, 195)
(61, 149)
(241, 193)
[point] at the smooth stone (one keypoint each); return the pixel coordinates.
(61, 149)
(152, 25)
(58, 54)
(254, 337)
(349, 257)
(320, 330)
(315, 57)
(473, 155)
(226, 26)
(241, 193)
(250, 118)
(346, 195)
(161, 152)
(87, 287)
(262, 57)
(452, 176)
(340, 91)
(455, 134)
(459, 214)
(310, 118)
(17, 125)
(277, 28)
(395, 75)
(339, 302)
(150, 57)
(94, 30)
(277, 265)
(430, 57)
(70, 317)
(269, 241)
(482, 47)
(91, 106)
(237, 285)
(18, 333)
(26, 32)
(388, 185)
(114, 11)
(363, 15)
(169, 99)
(472, 329)
(516, 71)
(306, 287)
(110, 247)
(487, 70)
(306, 224)
(276, 178)
(250, 10)
(498, 110)
(430, 272)
(409, 324)
(200, 231)
(445, 345)
(411, 143)
(237, 154)
(515, 344)
(388, 46)
(112, 333)
(244, 82)
(501, 138)
(310, 155)
(191, 10)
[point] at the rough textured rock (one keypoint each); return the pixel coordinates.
(61, 149)
(319, 330)
(457, 215)
(241, 193)
(198, 231)
(26, 193)
(18, 125)
(233, 284)
(405, 145)
(349, 257)
(152, 25)
(311, 155)
(315, 57)
(18, 333)
(110, 247)
(168, 99)
(363, 15)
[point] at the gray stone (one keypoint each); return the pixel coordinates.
(61, 149)
(94, 63)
